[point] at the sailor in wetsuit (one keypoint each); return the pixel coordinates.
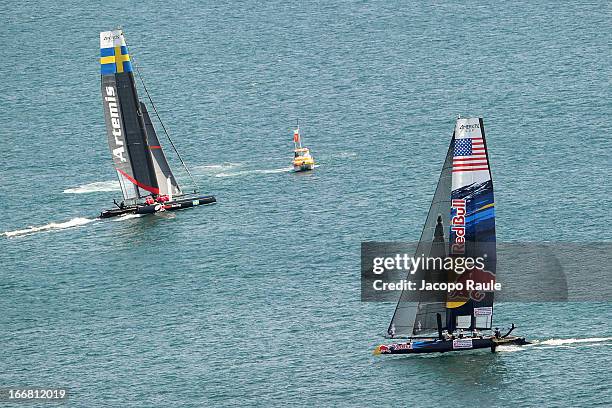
(497, 333)
(391, 331)
(121, 206)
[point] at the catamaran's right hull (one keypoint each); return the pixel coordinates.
(151, 209)
(443, 346)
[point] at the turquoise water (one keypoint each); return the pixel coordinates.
(255, 301)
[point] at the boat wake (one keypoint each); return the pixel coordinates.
(343, 155)
(75, 222)
(94, 187)
(212, 168)
(569, 342)
(510, 348)
(257, 171)
(127, 217)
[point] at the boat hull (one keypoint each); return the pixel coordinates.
(419, 346)
(303, 167)
(154, 208)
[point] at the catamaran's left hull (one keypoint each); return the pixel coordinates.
(151, 209)
(442, 346)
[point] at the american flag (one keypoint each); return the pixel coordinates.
(469, 155)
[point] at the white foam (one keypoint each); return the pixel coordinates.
(127, 216)
(94, 187)
(273, 171)
(216, 167)
(75, 222)
(561, 342)
(344, 154)
(510, 348)
(259, 171)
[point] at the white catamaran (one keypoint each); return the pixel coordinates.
(147, 182)
(460, 223)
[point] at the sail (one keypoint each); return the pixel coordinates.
(163, 174)
(472, 228)
(426, 319)
(411, 317)
(125, 126)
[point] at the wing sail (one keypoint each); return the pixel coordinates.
(125, 126)
(472, 228)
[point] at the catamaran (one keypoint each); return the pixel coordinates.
(302, 160)
(460, 223)
(147, 182)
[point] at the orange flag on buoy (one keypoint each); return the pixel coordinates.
(296, 137)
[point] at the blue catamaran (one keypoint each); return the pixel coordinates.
(460, 223)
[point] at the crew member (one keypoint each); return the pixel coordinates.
(162, 199)
(392, 331)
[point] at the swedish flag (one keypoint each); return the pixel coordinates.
(115, 60)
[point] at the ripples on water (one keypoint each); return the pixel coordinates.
(256, 300)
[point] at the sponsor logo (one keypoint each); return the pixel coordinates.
(470, 127)
(458, 226)
(483, 311)
(462, 343)
(113, 109)
(195, 202)
(112, 35)
(404, 346)
(384, 349)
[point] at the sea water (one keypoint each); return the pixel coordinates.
(255, 300)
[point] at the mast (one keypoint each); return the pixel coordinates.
(126, 129)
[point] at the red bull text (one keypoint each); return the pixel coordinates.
(458, 226)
